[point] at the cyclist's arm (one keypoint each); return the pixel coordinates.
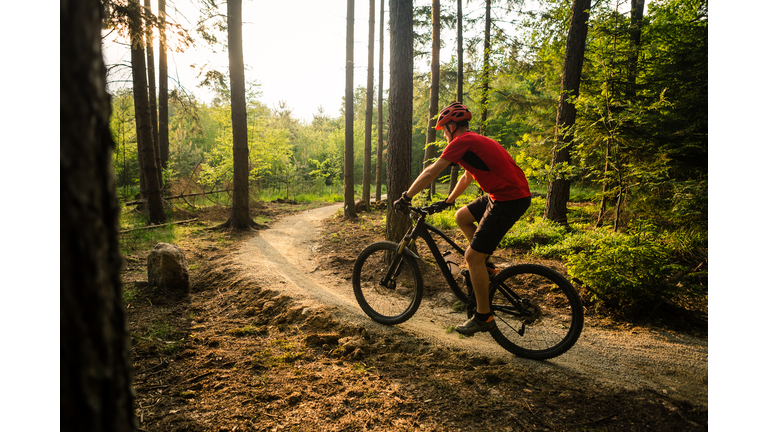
(461, 186)
(426, 177)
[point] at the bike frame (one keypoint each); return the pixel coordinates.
(422, 229)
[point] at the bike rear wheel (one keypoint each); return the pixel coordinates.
(399, 300)
(555, 314)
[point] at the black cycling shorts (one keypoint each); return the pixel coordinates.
(494, 218)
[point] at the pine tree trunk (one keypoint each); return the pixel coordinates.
(635, 30)
(380, 104)
(400, 112)
(369, 108)
(143, 119)
(459, 79)
(94, 362)
(558, 191)
(162, 105)
(486, 76)
(434, 91)
(349, 134)
(241, 217)
(152, 91)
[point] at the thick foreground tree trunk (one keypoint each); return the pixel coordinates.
(94, 361)
(400, 112)
(559, 190)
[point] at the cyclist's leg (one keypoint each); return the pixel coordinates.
(479, 275)
(469, 215)
(497, 219)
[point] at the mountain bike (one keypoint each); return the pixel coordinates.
(538, 313)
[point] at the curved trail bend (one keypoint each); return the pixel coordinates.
(283, 258)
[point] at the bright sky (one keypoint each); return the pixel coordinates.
(296, 50)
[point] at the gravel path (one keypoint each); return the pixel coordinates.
(670, 363)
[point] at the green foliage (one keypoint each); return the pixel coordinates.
(630, 270)
(529, 233)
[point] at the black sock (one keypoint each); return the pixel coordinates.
(482, 317)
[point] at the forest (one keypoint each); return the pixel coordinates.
(633, 155)
(602, 103)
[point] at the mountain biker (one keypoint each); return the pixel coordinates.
(508, 197)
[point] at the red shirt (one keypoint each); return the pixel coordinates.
(489, 164)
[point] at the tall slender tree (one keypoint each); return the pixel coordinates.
(434, 91)
(459, 78)
(94, 362)
(143, 119)
(149, 37)
(558, 190)
(400, 112)
(369, 108)
(349, 112)
(486, 75)
(380, 104)
(240, 219)
(162, 101)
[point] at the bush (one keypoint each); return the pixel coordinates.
(528, 234)
(629, 270)
(572, 244)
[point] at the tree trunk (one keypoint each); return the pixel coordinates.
(349, 127)
(486, 76)
(143, 119)
(459, 79)
(241, 216)
(558, 190)
(369, 109)
(635, 29)
(94, 361)
(434, 92)
(162, 105)
(400, 112)
(380, 122)
(149, 37)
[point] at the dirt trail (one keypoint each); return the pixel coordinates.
(284, 259)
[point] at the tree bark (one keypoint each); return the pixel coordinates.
(558, 190)
(241, 216)
(400, 112)
(162, 104)
(94, 361)
(349, 135)
(149, 37)
(143, 119)
(434, 92)
(369, 108)
(486, 75)
(380, 120)
(459, 79)
(635, 30)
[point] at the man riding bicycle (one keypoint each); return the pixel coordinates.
(508, 197)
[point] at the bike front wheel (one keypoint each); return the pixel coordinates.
(387, 302)
(538, 312)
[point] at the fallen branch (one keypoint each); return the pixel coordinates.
(179, 196)
(157, 226)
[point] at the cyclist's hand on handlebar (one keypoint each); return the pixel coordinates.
(440, 206)
(402, 203)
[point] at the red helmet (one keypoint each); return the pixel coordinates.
(454, 112)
